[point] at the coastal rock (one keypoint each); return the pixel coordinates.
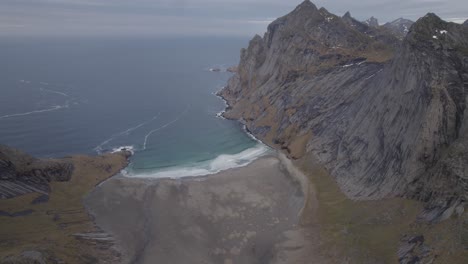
(51, 225)
(21, 173)
(232, 69)
(386, 120)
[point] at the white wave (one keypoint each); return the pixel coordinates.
(122, 148)
(54, 92)
(99, 148)
(53, 108)
(250, 135)
(163, 127)
(220, 114)
(220, 163)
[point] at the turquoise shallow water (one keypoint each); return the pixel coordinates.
(68, 96)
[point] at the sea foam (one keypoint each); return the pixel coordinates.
(122, 148)
(221, 163)
(53, 108)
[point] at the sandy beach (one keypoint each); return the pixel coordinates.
(243, 215)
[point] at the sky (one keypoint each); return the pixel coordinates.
(192, 17)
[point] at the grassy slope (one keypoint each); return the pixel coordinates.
(370, 231)
(51, 226)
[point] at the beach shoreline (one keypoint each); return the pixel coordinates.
(241, 215)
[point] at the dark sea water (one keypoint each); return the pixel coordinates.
(88, 96)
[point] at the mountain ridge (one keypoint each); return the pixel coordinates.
(381, 127)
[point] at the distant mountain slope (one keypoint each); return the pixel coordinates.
(399, 27)
(372, 22)
(385, 120)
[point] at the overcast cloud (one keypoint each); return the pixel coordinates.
(192, 17)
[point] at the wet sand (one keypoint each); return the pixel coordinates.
(244, 215)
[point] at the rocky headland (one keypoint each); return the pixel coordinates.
(42, 217)
(384, 114)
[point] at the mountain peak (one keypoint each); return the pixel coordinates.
(429, 21)
(400, 27)
(347, 15)
(430, 27)
(307, 4)
(466, 23)
(372, 22)
(324, 10)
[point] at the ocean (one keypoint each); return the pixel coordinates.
(68, 96)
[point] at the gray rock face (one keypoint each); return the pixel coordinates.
(21, 173)
(372, 22)
(412, 250)
(399, 27)
(466, 23)
(383, 128)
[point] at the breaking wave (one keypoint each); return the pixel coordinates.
(163, 126)
(53, 108)
(122, 148)
(221, 163)
(100, 148)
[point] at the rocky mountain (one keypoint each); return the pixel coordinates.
(386, 120)
(399, 27)
(372, 22)
(20, 173)
(380, 34)
(466, 23)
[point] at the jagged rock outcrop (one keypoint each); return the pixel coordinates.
(372, 22)
(412, 250)
(399, 27)
(379, 34)
(21, 173)
(383, 127)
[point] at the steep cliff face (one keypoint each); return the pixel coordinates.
(385, 120)
(21, 173)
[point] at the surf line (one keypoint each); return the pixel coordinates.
(46, 90)
(98, 148)
(54, 108)
(164, 126)
(50, 109)
(54, 92)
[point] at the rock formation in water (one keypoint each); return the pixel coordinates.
(20, 173)
(386, 117)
